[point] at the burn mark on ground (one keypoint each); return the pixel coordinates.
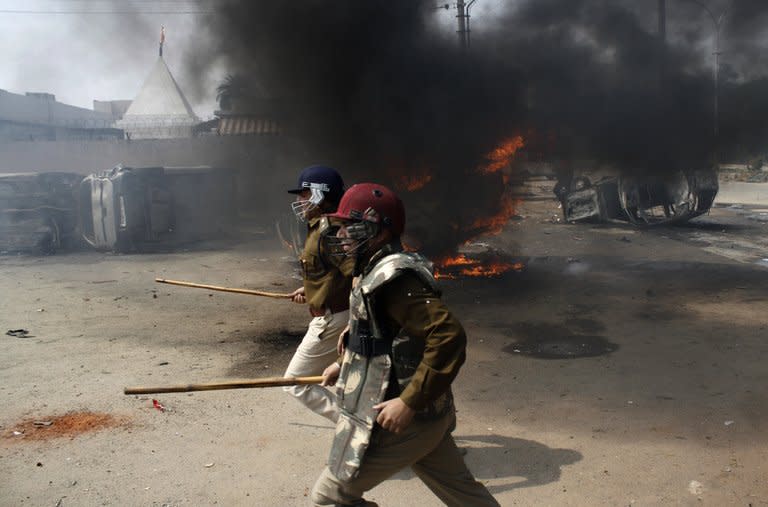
(583, 309)
(657, 312)
(70, 425)
(556, 341)
(562, 347)
(280, 341)
(270, 356)
(585, 325)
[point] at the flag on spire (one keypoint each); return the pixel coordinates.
(162, 38)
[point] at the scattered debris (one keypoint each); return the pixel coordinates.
(159, 406)
(758, 217)
(163, 363)
(19, 333)
(42, 423)
(728, 423)
(695, 488)
(209, 465)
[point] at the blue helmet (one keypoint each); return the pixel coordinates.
(324, 184)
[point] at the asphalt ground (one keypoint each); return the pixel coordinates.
(619, 366)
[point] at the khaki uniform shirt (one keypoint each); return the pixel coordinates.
(327, 278)
(406, 303)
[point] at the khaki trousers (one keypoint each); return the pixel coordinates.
(429, 449)
(316, 351)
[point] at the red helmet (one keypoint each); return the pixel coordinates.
(372, 203)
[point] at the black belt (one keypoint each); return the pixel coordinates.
(368, 346)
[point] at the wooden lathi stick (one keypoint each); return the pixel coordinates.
(217, 386)
(225, 289)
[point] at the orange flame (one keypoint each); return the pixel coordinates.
(494, 224)
(413, 182)
(461, 265)
(497, 161)
(500, 156)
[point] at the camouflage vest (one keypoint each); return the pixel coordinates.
(369, 362)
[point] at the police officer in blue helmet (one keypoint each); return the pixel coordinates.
(327, 283)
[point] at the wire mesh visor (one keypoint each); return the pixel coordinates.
(357, 236)
(317, 193)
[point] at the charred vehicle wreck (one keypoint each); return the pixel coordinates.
(640, 200)
(38, 212)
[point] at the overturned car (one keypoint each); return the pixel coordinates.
(140, 209)
(646, 200)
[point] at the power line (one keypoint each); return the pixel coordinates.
(14, 11)
(123, 2)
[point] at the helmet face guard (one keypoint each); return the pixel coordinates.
(355, 239)
(302, 207)
(323, 182)
(367, 209)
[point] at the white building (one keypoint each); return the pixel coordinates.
(38, 116)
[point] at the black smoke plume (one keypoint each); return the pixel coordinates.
(382, 90)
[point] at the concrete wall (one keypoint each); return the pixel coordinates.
(11, 131)
(741, 192)
(265, 165)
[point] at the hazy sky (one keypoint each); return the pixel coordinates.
(81, 50)
(80, 57)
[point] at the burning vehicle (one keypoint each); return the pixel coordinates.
(640, 200)
(38, 212)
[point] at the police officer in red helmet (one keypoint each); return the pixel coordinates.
(402, 351)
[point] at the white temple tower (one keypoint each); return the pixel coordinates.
(160, 110)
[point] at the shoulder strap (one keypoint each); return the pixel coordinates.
(393, 265)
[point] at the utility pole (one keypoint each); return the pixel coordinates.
(461, 15)
(718, 23)
(468, 17)
(662, 43)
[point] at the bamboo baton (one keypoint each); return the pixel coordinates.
(225, 289)
(217, 386)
